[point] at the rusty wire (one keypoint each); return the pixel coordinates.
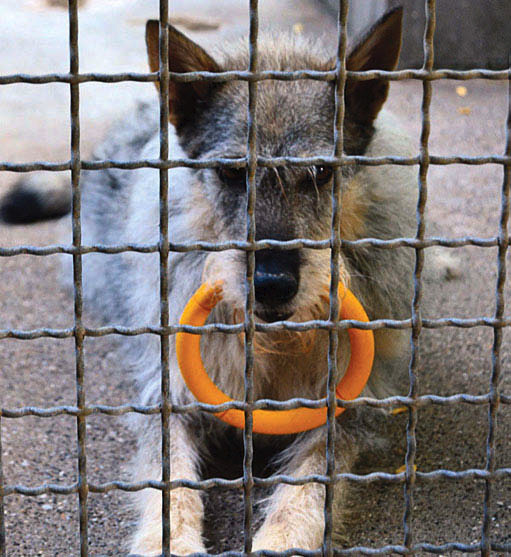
(249, 319)
(416, 323)
(335, 253)
(220, 162)
(163, 249)
(78, 330)
(416, 318)
(246, 246)
(500, 303)
(222, 77)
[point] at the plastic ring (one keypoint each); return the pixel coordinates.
(274, 422)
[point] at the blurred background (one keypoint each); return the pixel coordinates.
(468, 34)
(467, 118)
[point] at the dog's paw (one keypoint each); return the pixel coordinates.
(282, 537)
(274, 541)
(186, 547)
(151, 547)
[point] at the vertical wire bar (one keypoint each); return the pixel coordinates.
(248, 445)
(79, 330)
(2, 510)
(497, 335)
(411, 441)
(335, 246)
(164, 274)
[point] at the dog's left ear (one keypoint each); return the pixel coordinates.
(184, 56)
(377, 50)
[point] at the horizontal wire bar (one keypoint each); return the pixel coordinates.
(255, 246)
(66, 410)
(266, 404)
(385, 550)
(202, 485)
(465, 323)
(226, 76)
(363, 550)
(265, 162)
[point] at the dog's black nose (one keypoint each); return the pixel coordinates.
(276, 281)
(274, 288)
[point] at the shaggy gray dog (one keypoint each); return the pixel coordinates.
(294, 119)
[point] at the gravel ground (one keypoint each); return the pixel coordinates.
(462, 201)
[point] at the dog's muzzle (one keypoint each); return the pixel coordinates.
(276, 282)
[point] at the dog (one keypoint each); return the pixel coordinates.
(210, 120)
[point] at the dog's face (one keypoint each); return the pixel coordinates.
(296, 119)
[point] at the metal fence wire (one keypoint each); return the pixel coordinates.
(489, 474)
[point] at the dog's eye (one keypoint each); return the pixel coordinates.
(323, 174)
(233, 176)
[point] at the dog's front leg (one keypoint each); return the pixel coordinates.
(294, 516)
(186, 508)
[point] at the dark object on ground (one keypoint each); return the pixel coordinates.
(39, 196)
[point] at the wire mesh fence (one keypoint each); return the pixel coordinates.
(416, 323)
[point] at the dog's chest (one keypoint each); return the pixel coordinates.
(284, 368)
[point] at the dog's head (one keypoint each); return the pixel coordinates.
(294, 118)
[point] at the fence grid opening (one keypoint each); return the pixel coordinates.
(415, 324)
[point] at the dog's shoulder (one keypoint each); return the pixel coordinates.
(386, 193)
(129, 135)
(107, 194)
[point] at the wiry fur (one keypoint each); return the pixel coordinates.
(124, 206)
(294, 119)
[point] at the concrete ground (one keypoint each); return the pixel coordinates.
(462, 201)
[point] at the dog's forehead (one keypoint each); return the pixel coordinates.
(293, 119)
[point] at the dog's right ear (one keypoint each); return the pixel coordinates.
(184, 56)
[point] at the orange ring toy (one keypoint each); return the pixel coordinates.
(274, 422)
